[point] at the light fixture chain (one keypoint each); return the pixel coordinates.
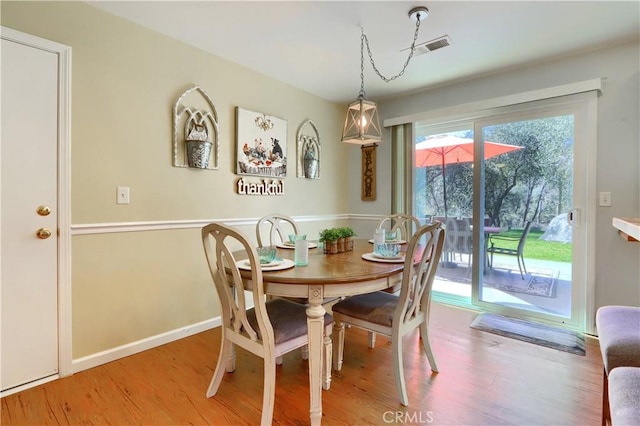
(404, 67)
(362, 39)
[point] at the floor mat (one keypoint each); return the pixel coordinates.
(539, 334)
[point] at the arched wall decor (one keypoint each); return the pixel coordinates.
(308, 151)
(195, 131)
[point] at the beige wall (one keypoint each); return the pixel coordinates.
(125, 81)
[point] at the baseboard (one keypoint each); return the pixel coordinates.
(132, 348)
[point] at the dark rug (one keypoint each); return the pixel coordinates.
(537, 282)
(539, 334)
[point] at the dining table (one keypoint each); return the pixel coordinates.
(329, 276)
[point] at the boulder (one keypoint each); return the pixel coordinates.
(558, 230)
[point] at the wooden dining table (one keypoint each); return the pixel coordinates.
(327, 276)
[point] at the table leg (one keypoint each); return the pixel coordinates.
(315, 324)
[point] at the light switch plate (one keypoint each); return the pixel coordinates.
(122, 195)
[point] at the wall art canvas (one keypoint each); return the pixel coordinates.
(261, 144)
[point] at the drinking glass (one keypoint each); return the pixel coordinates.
(301, 249)
(378, 239)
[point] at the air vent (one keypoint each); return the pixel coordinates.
(431, 45)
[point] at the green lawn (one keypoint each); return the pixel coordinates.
(535, 248)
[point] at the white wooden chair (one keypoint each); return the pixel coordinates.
(268, 330)
(397, 316)
(403, 224)
(277, 227)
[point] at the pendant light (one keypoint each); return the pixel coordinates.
(362, 124)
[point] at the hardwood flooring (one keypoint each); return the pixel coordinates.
(484, 379)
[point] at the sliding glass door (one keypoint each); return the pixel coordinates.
(528, 237)
(511, 191)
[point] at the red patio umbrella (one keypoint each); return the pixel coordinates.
(444, 149)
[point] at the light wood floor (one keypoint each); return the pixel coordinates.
(484, 379)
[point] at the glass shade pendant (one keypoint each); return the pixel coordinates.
(362, 125)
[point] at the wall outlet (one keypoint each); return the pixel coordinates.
(122, 195)
(605, 199)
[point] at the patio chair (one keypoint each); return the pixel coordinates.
(459, 239)
(518, 252)
(268, 330)
(397, 316)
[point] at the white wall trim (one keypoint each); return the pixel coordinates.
(132, 348)
(514, 99)
(366, 217)
(118, 227)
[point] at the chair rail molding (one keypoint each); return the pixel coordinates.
(146, 226)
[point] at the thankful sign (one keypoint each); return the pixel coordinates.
(264, 187)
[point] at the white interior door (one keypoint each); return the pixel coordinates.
(29, 149)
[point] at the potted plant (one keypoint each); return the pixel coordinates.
(347, 234)
(330, 239)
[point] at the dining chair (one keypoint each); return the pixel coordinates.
(396, 316)
(269, 330)
(277, 227)
(403, 224)
(518, 252)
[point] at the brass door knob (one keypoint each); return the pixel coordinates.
(43, 233)
(43, 210)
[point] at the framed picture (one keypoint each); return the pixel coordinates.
(261, 142)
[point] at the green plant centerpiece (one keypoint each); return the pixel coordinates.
(347, 234)
(337, 240)
(330, 238)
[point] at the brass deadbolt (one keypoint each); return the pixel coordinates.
(44, 210)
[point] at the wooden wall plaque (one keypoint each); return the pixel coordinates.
(369, 172)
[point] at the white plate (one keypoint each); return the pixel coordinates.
(288, 245)
(379, 256)
(391, 241)
(374, 258)
(281, 264)
(274, 262)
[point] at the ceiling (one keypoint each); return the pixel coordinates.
(315, 46)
